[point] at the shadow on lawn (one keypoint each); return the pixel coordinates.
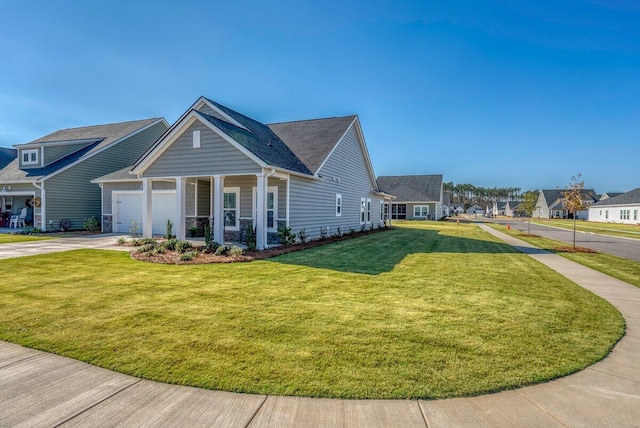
(378, 253)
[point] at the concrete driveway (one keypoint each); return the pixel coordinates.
(106, 241)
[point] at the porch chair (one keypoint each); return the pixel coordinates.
(22, 217)
(17, 220)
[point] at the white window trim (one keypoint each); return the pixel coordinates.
(235, 190)
(29, 152)
(421, 211)
(363, 202)
(338, 205)
(368, 211)
(381, 211)
(197, 142)
(270, 189)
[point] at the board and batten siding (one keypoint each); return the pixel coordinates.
(214, 156)
(71, 195)
(313, 202)
(53, 153)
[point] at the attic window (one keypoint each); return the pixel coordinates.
(30, 157)
(196, 139)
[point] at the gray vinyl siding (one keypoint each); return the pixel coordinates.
(313, 202)
(215, 156)
(204, 198)
(53, 153)
(71, 195)
(432, 210)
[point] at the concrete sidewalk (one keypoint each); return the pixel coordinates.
(32, 248)
(40, 389)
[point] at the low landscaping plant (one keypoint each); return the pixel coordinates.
(91, 225)
(183, 246)
(286, 236)
(302, 236)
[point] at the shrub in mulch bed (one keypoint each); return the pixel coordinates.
(573, 250)
(199, 255)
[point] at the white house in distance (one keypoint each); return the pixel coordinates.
(624, 208)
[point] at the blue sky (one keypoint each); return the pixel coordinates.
(495, 93)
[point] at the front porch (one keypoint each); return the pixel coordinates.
(230, 204)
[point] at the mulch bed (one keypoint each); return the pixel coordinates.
(573, 250)
(173, 257)
(528, 235)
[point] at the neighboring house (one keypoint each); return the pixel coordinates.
(624, 208)
(475, 209)
(608, 195)
(456, 209)
(418, 197)
(552, 204)
(53, 173)
(511, 208)
(218, 166)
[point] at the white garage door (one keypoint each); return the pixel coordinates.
(128, 208)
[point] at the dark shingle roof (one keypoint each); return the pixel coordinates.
(96, 138)
(12, 173)
(412, 187)
(312, 140)
(552, 196)
(631, 197)
(259, 140)
(7, 155)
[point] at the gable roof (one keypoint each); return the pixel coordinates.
(312, 141)
(107, 134)
(414, 188)
(552, 196)
(606, 195)
(259, 140)
(300, 146)
(7, 155)
(631, 197)
(96, 137)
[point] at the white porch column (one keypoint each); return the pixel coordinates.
(181, 209)
(261, 212)
(147, 211)
(218, 208)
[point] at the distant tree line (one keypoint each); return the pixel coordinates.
(468, 194)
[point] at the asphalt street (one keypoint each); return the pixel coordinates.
(627, 248)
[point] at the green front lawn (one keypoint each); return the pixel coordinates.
(614, 229)
(10, 239)
(624, 269)
(427, 310)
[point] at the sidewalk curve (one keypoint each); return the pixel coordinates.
(40, 389)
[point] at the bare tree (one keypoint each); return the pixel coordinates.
(573, 200)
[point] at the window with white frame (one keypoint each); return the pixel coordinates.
(368, 210)
(196, 139)
(606, 214)
(338, 205)
(363, 209)
(635, 214)
(230, 207)
(625, 214)
(30, 157)
(420, 211)
(381, 211)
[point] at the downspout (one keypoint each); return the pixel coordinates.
(43, 211)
